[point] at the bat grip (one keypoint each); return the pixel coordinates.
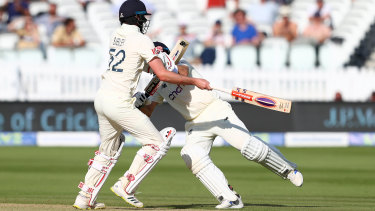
(222, 89)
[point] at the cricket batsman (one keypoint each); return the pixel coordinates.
(207, 117)
(129, 50)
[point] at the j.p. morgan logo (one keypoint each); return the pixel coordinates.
(350, 117)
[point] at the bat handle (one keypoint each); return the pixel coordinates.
(222, 89)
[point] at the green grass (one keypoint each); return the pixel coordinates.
(335, 179)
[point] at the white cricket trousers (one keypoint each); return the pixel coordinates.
(115, 114)
(218, 119)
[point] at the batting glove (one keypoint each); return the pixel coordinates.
(168, 62)
(140, 99)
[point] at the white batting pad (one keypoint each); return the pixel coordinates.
(198, 161)
(149, 160)
(214, 180)
(99, 169)
(271, 158)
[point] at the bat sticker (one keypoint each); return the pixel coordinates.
(265, 101)
(174, 56)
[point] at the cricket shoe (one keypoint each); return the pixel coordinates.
(226, 204)
(238, 196)
(295, 177)
(128, 198)
(82, 203)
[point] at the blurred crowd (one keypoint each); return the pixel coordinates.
(250, 26)
(60, 31)
(265, 19)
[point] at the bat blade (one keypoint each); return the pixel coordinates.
(258, 99)
(179, 50)
(176, 54)
(262, 100)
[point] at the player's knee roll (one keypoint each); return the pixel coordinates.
(255, 150)
(109, 157)
(268, 156)
(195, 157)
(161, 149)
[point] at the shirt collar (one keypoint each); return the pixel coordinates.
(132, 28)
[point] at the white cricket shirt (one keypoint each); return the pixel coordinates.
(188, 100)
(129, 49)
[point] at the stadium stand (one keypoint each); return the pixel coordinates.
(277, 67)
(243, 57)
(363, 52)
(274, 54)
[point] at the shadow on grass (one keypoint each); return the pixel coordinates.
(197, 206)
(278, 205)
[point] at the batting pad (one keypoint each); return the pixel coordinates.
(149, 161)
(198, 161)
(99, 169)
(268, 156)
(214, 180)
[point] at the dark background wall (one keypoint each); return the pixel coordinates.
(81, 116)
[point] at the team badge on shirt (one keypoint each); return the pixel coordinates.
(157, 50)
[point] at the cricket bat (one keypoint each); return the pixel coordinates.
(176, 54)
(258, 99)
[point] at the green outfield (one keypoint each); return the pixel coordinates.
(335, 179)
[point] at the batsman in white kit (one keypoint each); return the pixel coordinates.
(207, 117)
(129, 50)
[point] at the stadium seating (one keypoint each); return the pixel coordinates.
(60, 56)
(274, 53)
(30, 56)
(354, 25)
(87, 57)
(63, 69)
(302, 57)
(221, 57)
(8, 41)
(326, 52)
(37, 7)
(243, 57)
(363, 52)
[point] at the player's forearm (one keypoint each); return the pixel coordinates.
(167, 76)
(176, 78)
(171, 77)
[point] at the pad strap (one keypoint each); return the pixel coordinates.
(108, 158)
(147, 158)
(85, 188)
(98, 166)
